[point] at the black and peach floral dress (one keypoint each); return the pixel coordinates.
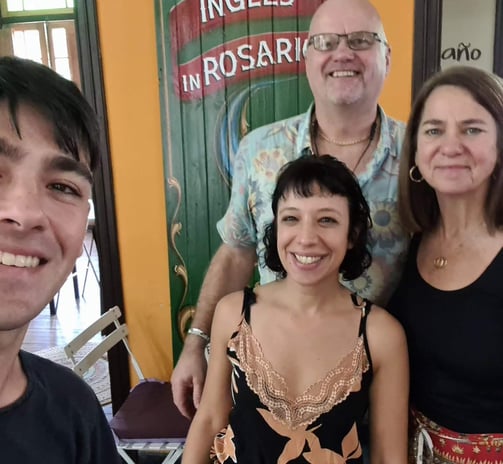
(266, 426)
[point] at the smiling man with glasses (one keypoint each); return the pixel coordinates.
(347, 60)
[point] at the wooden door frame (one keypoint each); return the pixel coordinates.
(498, 45)
(106, 227)
(428, 39)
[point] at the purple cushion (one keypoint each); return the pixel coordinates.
(149, 414)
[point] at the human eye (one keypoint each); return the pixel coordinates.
(360, 40)
(432, 131)
(473, 130)
(67, 178)
(327, 220)
(288, 218)
(65, 188)
(325, 42)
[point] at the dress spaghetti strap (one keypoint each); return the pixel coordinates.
(365, 306)
(249, 298)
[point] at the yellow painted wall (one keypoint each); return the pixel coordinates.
(128, 46)
(398, 19)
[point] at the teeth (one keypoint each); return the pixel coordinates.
(307, 259)
(343, 74)
(9, 259)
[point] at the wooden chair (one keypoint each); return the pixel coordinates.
(148, 420)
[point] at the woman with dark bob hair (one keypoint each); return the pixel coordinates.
(450, 300)
(302, 178)
(305, 358)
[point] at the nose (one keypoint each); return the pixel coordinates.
(451, 144)
(342, 51)
(21, 206)
(307, 233)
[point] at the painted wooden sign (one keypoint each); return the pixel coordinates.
(225, 67)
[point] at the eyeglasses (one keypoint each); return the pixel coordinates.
(358, 40)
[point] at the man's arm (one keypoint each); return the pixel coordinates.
(230, 270)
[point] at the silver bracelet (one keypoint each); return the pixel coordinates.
(199, 333)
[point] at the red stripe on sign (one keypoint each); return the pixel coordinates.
(192, 18)
(246, 58)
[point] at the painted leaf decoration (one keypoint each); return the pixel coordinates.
(225, 448)
(293, 449)
(323, 456)
(351, 445)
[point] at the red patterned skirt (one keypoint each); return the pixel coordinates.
(433, 444)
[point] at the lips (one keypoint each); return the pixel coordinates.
(457, 166)
(452, 169)
(10, 259)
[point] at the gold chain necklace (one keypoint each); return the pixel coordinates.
(315, 130)
(342, 143)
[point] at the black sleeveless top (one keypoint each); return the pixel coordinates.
(455, 341)
(320, 426)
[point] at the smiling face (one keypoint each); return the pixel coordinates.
(344, 76)
(44, 205)
(312, 236)
(456, 143)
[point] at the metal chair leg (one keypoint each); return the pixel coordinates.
(125, 456)
(53, 304)
(75, 283)
(89, 253)
(173, 456)
(52, 307)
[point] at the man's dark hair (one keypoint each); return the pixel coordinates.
(57, 99)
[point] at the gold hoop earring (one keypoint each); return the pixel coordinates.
(411, 175)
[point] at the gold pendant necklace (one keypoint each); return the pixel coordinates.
(440, 262)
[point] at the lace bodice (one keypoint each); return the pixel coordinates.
(272, 389)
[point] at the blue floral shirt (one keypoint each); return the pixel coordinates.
(260, 156)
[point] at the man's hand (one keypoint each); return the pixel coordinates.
(230, 270)
(187, 380)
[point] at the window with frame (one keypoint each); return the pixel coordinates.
(43, 31)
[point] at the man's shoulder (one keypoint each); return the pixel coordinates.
(53, 379)
(56, 403)
(393, 133)
(278, 131)
(395, 126)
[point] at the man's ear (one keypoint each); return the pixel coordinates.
(304, 49)
(387, 57)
